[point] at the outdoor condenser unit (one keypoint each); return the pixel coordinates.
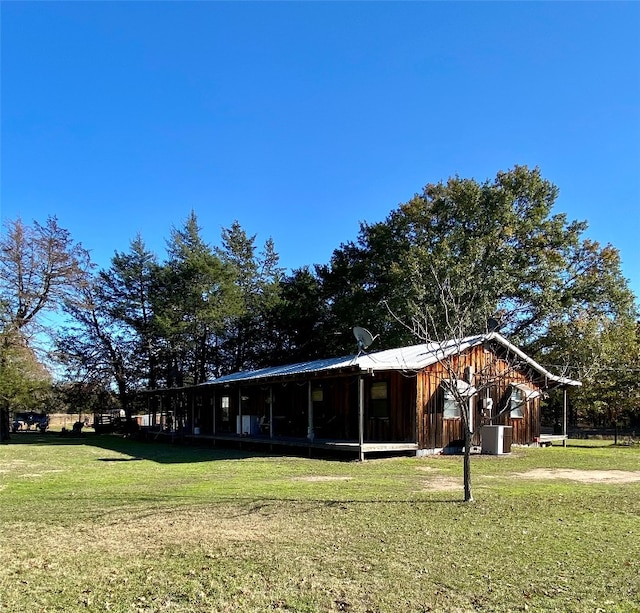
(496, 440)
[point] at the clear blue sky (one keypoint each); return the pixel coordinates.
(302, 119)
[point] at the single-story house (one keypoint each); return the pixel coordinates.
(398, 400)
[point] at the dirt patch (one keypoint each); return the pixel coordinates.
(320, 478)
(443, 484)
(438, 482)
(583, 476)
(427, 469)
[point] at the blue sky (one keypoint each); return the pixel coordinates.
(300, 120)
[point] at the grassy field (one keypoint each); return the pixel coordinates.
(105, 524)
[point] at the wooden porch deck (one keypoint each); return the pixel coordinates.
(327, 445)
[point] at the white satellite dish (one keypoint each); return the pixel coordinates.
(364, 337)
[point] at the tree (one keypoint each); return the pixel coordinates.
(128, 288)
(24, 383)
(192, 302)
(446, 325)
(497, 244)
(84, 397)
(40, 266)
(299, 320)
(256, 278)
(604, 353)
(96, 348)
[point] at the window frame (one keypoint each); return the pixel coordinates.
(225, 408)
(451, 408)
(379, 404)
(517, 402)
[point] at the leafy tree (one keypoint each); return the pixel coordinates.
(192, 302)
(257, 278)
(604, 354)
(84, 397)
(25, 385)
(299, 320)
(128, 288)
(495, 247)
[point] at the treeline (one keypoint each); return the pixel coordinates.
(458, 255)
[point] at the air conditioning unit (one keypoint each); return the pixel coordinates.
(496, 440)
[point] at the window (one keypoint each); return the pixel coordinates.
(451, 405)
(516, 403)
(452, 399)
(224, 404)
(379, 400)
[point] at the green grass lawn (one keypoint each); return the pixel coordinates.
(106, 524)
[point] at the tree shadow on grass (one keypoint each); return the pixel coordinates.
(134, 450)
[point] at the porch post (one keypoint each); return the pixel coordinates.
(564, 415)
(361, 417)
(310, 433)
(240, 409)
(271, 411)
(193, 411)
(213, 407)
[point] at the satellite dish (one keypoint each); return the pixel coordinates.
(364, 337)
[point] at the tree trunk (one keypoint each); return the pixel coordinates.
(4, 424)
(468, 495)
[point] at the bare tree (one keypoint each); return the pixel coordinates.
(40, 266)
(96, 348)
(449, 327)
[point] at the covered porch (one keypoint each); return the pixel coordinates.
(348, 412)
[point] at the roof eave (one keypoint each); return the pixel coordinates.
(562, 381)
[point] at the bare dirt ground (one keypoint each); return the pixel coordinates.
(436, 482)
(583, 476)
(316, 478)
(439, 483)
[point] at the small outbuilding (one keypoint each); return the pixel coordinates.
(395, 401)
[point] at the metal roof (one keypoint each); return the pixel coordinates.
(407, 359)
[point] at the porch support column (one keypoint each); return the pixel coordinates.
(564, 415)
(271, 411)
(361, 417)
(213, 399)
(310, 432)
(193, 411)
(240, 409)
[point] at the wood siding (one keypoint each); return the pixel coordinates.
(434, 431)
(413, 410)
